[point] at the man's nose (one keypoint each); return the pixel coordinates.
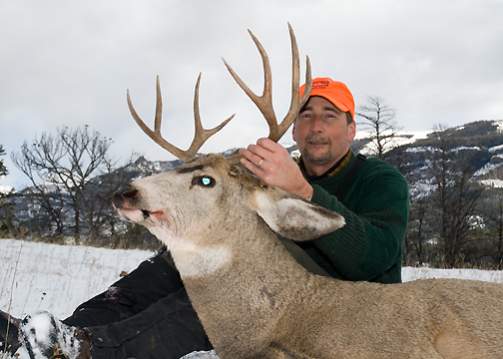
(317, 124)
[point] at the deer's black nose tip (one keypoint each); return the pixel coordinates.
(128, 195)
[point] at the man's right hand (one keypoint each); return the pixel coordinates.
(272, 163)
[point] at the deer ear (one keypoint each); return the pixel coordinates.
(295, 218)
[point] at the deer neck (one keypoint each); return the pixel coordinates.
(256, 283)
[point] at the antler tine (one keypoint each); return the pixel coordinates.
(158, 106)
(264, 102)
(295, 104)
(201, 134)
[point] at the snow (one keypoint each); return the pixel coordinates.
(422, 188)
(431, 149)
(37, 276)
(487, 168)
(494, 183)
(403, 137)
(420, 149)
(201, 355)
(495, 148)
(400, 139)
(499, 123)
(6, 189)
(42, 332)
(465, 148)
(56, 278)
(413, 273)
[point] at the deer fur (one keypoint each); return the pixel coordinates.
(255, 301)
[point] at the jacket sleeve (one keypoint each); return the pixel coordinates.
(370, 241)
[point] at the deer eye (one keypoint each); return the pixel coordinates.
(203, 181)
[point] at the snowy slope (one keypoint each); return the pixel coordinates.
(57, 278)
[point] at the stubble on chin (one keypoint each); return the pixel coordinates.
(318, 159)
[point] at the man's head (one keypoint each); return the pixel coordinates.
(325, 127)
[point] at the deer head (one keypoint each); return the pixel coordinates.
(205, 205)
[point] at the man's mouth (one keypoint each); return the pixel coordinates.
(317, 144)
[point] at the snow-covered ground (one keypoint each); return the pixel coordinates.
(37, 276)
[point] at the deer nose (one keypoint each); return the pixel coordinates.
(130, 193)
(127, 196)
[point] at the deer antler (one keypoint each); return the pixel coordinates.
(264, 102)
(201, 134)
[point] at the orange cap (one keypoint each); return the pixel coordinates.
(334, 91)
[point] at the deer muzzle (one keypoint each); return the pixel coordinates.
(128, 205)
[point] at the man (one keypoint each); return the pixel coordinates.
(371, 195)
(148, 314)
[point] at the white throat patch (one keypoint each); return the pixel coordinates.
(193, 260)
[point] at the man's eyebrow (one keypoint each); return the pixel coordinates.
(333, 109)
(305, 108)
(189, 169)
(325, 108)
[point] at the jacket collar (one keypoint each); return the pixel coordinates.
(332, 171)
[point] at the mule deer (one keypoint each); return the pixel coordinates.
(255, 300)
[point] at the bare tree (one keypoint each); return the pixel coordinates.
(499, 224)
(3, 169)
(379, 118)
(42, 193)
(60, 166)
(456, 194)
(6, 208)
(416, 238)
(492, 211)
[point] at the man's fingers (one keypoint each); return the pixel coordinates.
(260, 151)
(269, 144)
(251, 157)
(255, 169)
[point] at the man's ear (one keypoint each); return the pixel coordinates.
(352, 129)
(295, 218)
(293, 131)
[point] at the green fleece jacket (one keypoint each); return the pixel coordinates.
(375, 205)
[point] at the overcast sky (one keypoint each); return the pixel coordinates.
(70, 63)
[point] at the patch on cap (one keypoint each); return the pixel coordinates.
(320, 84)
